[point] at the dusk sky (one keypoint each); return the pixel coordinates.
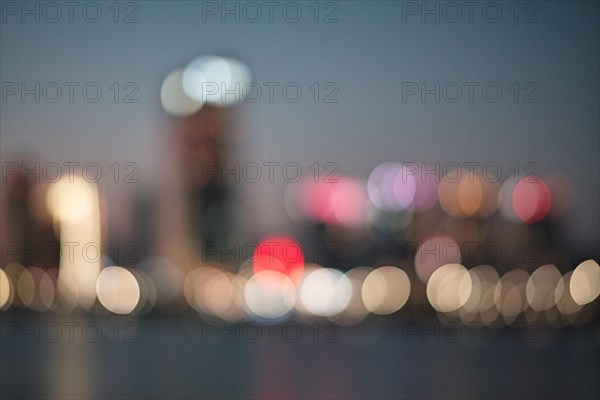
(370, 55)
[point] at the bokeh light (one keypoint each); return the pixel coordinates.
(147, 292)
(75, 205)
(13, 273)
(279, 253)
(585, 282)
(356, 310)
(325, 292)
(386, 290)
(341, 203)
(216, 80)
(6, 292)
(541, 287)
(43, 290)
(270, 294)
(505, 200)
(173, 98)
(481, 298)
(71, 199)
(449, 287)
(469, 195)
(531, 200)
(562, 296)
(426, 191)
(212, 292)
(510, 294)
(118, 290)
(26, 287)
(391, 187)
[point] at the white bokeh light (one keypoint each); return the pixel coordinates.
(215, 80)
(325, 292)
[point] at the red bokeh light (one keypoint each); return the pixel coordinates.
(279, 253)
(531, 200)
(342, 202)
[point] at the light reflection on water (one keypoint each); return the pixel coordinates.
(174, 358)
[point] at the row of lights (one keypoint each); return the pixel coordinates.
(481, 295)
(276, 281)
(268, 294)
(312, 290)
(392, 188)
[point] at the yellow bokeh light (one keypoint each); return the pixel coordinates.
(5, 291)
(43, 290)
(449, 287)
(386, 290)
(481, 298)
(562, 295)
(71, 199)
(509, 294)
(541, 287)
(26, 287)
(585, 282)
